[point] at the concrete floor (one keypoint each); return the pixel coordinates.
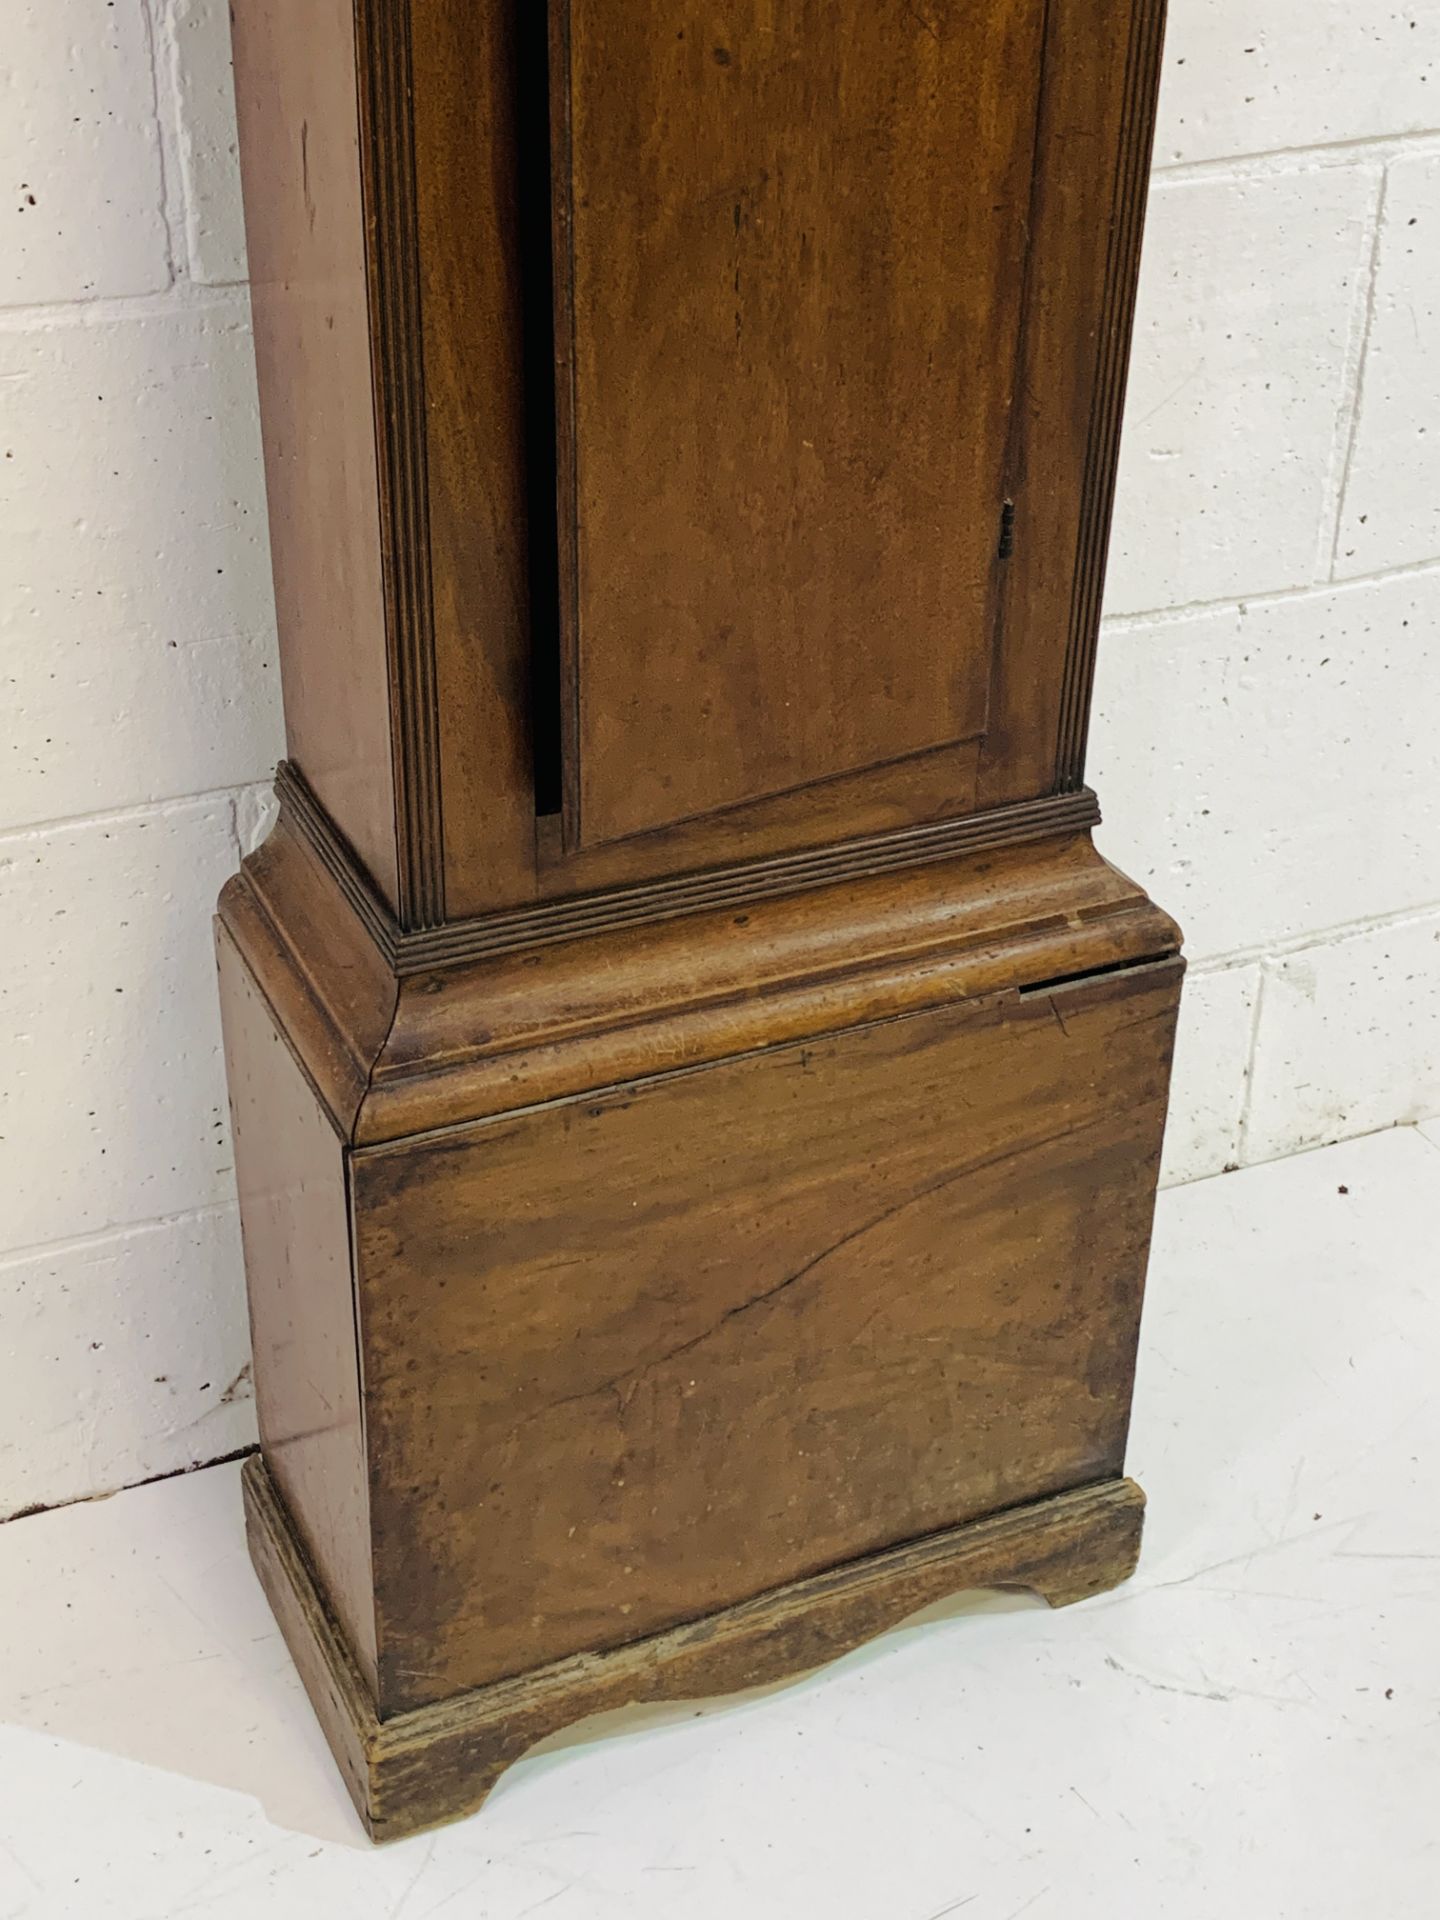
(1249, 1728)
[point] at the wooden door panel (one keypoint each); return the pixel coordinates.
(790, 272)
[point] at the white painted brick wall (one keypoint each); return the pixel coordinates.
(140, 701)
(1267, 704)
(1268, 698)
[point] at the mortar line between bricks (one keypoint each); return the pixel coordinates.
(162, 132)
(1348, 414)
(1252, 1054)
(182, 297)
(1241, 602)
(235, 846)
(1362, 366)
(121, 816)
(1265, 163)
(1311, 938)
(80, 1242)
(179, 207)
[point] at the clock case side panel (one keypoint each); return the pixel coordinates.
(378, 154)
(299, 125)
(293, 1178)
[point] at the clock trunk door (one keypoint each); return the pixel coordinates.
(790, 250)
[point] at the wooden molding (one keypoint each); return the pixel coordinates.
(435, 1763)
(384, 61)
(299, 806)
(1122, 275)
(557, 1002)
(647, 902)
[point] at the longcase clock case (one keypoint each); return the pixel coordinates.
(697, 1089)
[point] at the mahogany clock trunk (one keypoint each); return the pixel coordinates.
(698, 1091)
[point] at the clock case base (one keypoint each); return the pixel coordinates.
(664, 1292)
(435, 1764)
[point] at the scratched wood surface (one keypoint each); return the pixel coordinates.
(633, 1357)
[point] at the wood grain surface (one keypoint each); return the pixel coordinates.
(617, 998)
(633, 1357)
(1097, 118)
(792, 250)
(469, 122)
(290, 1172)
(295, 100)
